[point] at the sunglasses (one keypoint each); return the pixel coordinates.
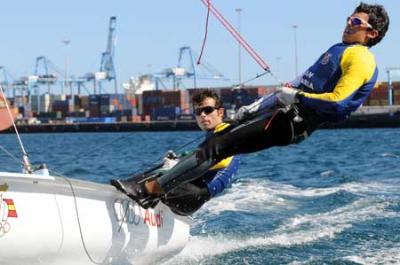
(207, 110)
(355, 21)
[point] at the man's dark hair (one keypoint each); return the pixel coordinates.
(198, 97)
(377, 17)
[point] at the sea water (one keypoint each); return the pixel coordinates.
(333, 199)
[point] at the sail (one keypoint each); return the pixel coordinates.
(6, 120)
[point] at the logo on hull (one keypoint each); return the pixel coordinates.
(7, 210)
(127, 211)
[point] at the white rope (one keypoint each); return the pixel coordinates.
(85, 248)
(25, 159)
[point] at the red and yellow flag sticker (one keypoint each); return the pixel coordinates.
(12, 211)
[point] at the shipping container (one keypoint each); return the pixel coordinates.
(241, 97)
(90, 120)
(136, 118)
(151, 100)
(84, 102)
(77, 114)
(60, 106)
(94, 105)
(186, 117)
(146, 118)
(127, 112)
(165, 113)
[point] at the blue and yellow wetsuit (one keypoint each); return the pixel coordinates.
(338, 82)
(331, 89)
(220, 175)
(198, 188)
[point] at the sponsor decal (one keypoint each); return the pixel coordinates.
(326, 58)
(306, 79)
(11, 210)
(7, 210)
(127, 211)
(153, 219)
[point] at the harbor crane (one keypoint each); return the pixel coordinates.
(181, 71)
(107, 69)
(42, 76)
(7, 82)
(187, 69)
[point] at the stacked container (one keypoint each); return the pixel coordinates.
(378, 96)
(164, 105)
(94, 105)
(84, 102)
(40, 103)
(396, 93)
(60, 107)
(105, 104)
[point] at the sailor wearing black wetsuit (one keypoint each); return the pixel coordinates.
(187, 198)
(333, 87)
(330, 90)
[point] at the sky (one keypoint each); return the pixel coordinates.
(150, 34)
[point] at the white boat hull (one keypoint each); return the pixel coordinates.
(53, 220)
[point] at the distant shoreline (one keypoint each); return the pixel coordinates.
(107, 127)
(360, 121)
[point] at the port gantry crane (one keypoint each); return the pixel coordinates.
(187, 69)
(45, 77)
(6, 82)
(107, 69)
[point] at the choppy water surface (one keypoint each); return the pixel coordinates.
(333, 199)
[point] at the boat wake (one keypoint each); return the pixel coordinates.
(377, 255)
(292, 231)
(264, 195)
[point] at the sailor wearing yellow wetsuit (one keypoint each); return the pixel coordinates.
(338, 83)
(333, 87)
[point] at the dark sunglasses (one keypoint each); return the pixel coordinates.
(207, 110)
(355, 21)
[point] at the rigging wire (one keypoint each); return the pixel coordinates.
(157, 160)
(79, 221)
(236, 35)
(25, 158)
(228, 26)
(10, 154)
(242, 42)
(205, 33)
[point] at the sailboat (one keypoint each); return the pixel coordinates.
(47, 219)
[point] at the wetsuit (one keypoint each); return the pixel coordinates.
(189, 197)
(338, 83)
(333, 87)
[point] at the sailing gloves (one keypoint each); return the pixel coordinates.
(170, 160)
(287, 95)
(284, 95)
(246, 111)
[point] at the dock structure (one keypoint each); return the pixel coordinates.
(365, 117)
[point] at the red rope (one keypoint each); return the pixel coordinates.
(205, 33)
(236, 35)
